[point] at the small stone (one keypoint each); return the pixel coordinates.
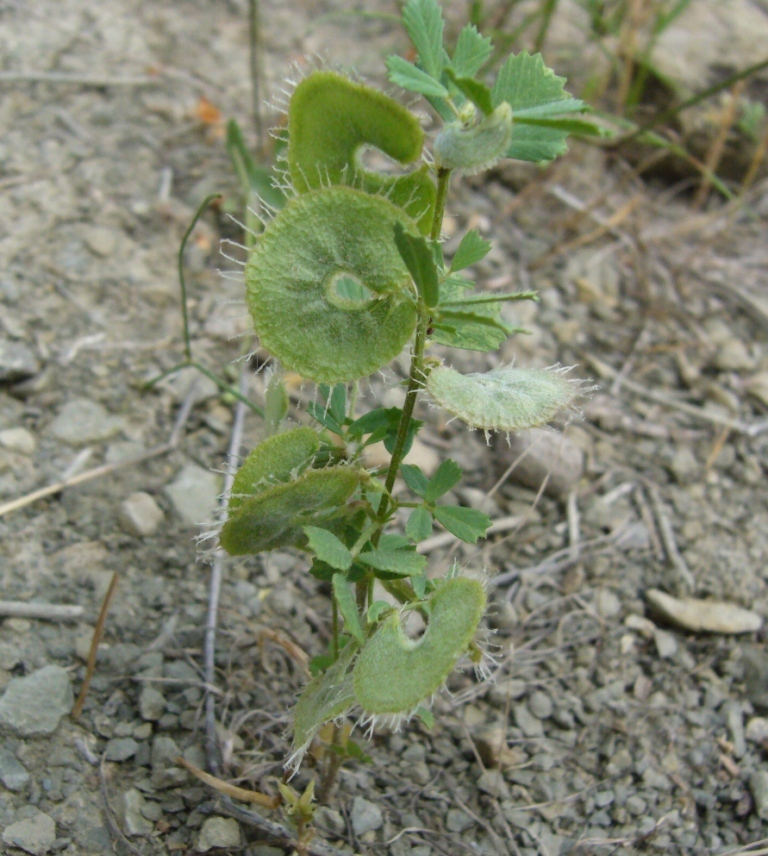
(492, 782)
(757, 730)
(492, 747)
(219, 832)
(151, 704)
(684, 466)
(635, 805)
(547, 455)
(607, 603)
(457, 821)
(100, 240)
(365, 816)
(703, 615)
(331, 821)
(82, 421)
(755, 661)
(134, 806)
(526, 722)
(166, 773)
(193, 493)
(735, 722)
(540, 705)
(13, 775)
(17, 362)
(32, 706)
(121, 748)
(32, 835)
(140, 515)
(733, 355)
(758, 785)
(666, 644)
(18, 440)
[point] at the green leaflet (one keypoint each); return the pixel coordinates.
(394, 674)
(506, 398)
(274, 518)
(331, 119)
(478, 147)
(275, 460)
(324, 698)
(292, 277)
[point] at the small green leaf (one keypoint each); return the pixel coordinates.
(426, 716)
(353, 750)
(254, 179)
(327, 547)
(419, 583)
(324, 417)
(377, 609)
(423, 19)
(406, 75)
(391, 439)
(419, 259)
(337, 406)
(478, 93)
(404, 563)
(471, 53)
(414, 478)
(447, 475)
(275, 403)
(419, 525)
(467, 524)
(471, 250)
(345, 598)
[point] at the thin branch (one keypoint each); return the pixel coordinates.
(45, 611)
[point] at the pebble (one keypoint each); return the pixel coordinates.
(666, 644)
(703, 615)
(32, 706)
(13, 774)
(134, 806)
(526, 721)
(758, 785)
(546, 453)
(366, 816)
(140, 515)
(151, 704)
(733, 355)
(607, 603)
(82, 421)
(17, 362)
(684, 466)
(100, 240)
(457, 821)
(493, 782)
(735, 722)
(757, 730)
(194, 493)
(18, 440)
(219, 832)
(32, 835)
(165, 771)
(330, 820)
(540, 705)
(121, 748)
(755, 661)
(492, 747)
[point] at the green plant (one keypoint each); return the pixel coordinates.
(344, 277)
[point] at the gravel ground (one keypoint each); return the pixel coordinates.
(616, 722)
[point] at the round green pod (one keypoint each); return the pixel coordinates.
(394, 674)
(331, 119)
(506, 398)
(294, 275)
(276, 459)
(274, 518)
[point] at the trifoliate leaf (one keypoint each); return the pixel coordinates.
(419, 525)
(344, 596)
(423, 19)
(447, 475)
(328, 548)
(506, 398)
(403, 563)
(467, 524)
(471, 250)
(407, 76)
(471, 52)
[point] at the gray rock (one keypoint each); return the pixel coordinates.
(540, 705)
(330, 820)
(140, 515)
(13, 775)
(547, 453)
(32, 835)
(17, 362)
(151, 704)
(18, 440)
(100, 240)
(166, 773)
(492, 782)
(82, 421)
(757, 730)
(193, 493)
(755, 661)
(684, 466)
(121, 748)
(366, 816)
(457, 821)
(134, 806)
(32, 706)
(526, 721)
(607, 603)
(758, 784)
(218, 832)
